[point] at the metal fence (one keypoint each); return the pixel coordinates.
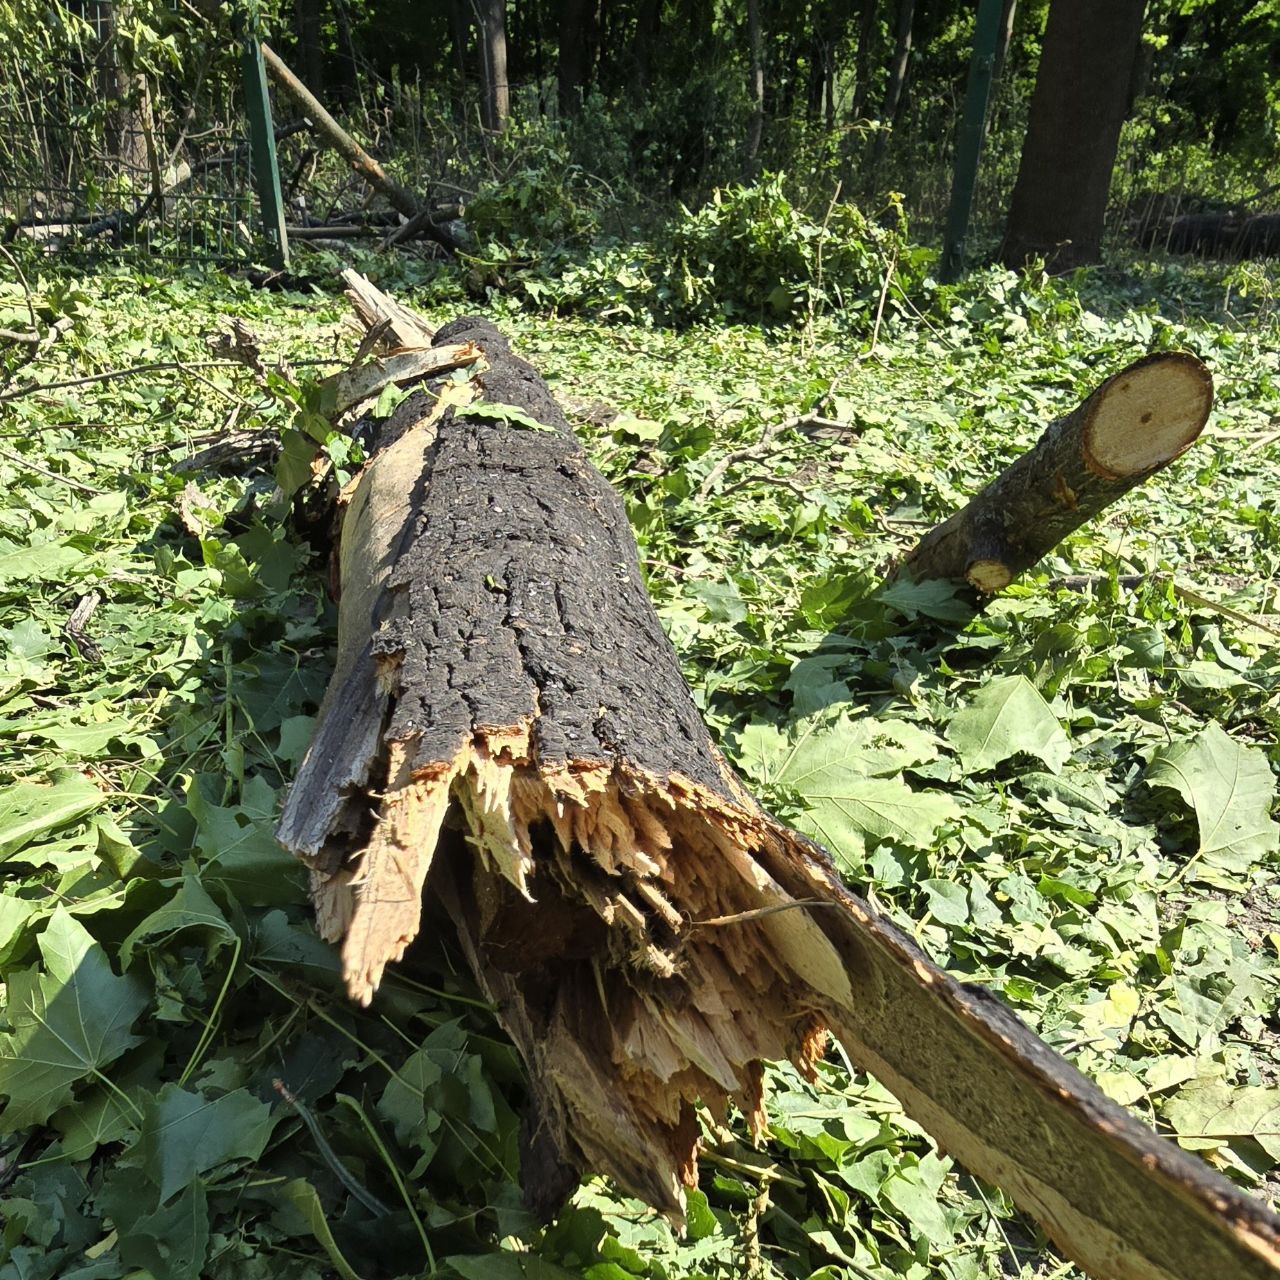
(95, 157)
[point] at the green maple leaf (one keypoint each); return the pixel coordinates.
(848, 807)
(68, 1023)
(185, 1134)
(1008, 717)
(1230, 787)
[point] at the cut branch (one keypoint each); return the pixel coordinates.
(508, 729)
(1132, 426)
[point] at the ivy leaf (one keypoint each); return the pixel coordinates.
(511, 414)
(68, 1023)
(29, 809)
(185, 1135)
(1008, 717)
(1230, 787)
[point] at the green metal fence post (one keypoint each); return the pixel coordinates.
(262, 145)
(969, 145)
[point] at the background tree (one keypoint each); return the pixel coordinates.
(1059, 205)
(495, 95)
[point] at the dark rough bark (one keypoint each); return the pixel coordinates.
(1133, 425)
(905, 17)
(647, 934)
(1059, 204)
(495, 96)
(755, 125)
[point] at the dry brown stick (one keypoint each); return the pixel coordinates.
(168, 366)
(26, 463)
(745, 454)
(26, 289)
(884, 293)
(74, 627)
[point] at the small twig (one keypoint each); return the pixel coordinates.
(18, 460)
(757, 913)
(752, 1266)
(884, 293)
(74, 627)
(26, 289)
(345, 1176)
(372, 337)
(168, 366)
(761, 1173)
(745, 454)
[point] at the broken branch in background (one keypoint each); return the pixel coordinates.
(400, 198)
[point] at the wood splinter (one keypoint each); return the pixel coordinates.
(507, 730)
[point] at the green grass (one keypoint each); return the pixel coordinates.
(1113, 880)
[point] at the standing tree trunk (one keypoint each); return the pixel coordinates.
(571, 67)
(862, 58)
(897, 72)
(1059, 204)
(306, 16)
(755, 126)
(459, 30)
(495, 98)
(648, 29)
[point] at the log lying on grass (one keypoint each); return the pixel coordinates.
(508, 729)
(1134, 424)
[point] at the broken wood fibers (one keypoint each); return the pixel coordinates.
(508, 717)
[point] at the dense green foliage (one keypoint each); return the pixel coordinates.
(1068, 800)
(657, 106)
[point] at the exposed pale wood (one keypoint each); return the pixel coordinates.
(648, 935)
(406, 330)
(351, 387)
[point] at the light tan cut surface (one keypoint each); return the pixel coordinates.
(1147, 415)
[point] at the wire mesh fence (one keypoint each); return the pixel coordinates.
(97, 155)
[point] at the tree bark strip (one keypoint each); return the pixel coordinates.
(508, 718)
(1132, 426)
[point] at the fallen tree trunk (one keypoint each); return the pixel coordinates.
(508, 728)
(1132, 426)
